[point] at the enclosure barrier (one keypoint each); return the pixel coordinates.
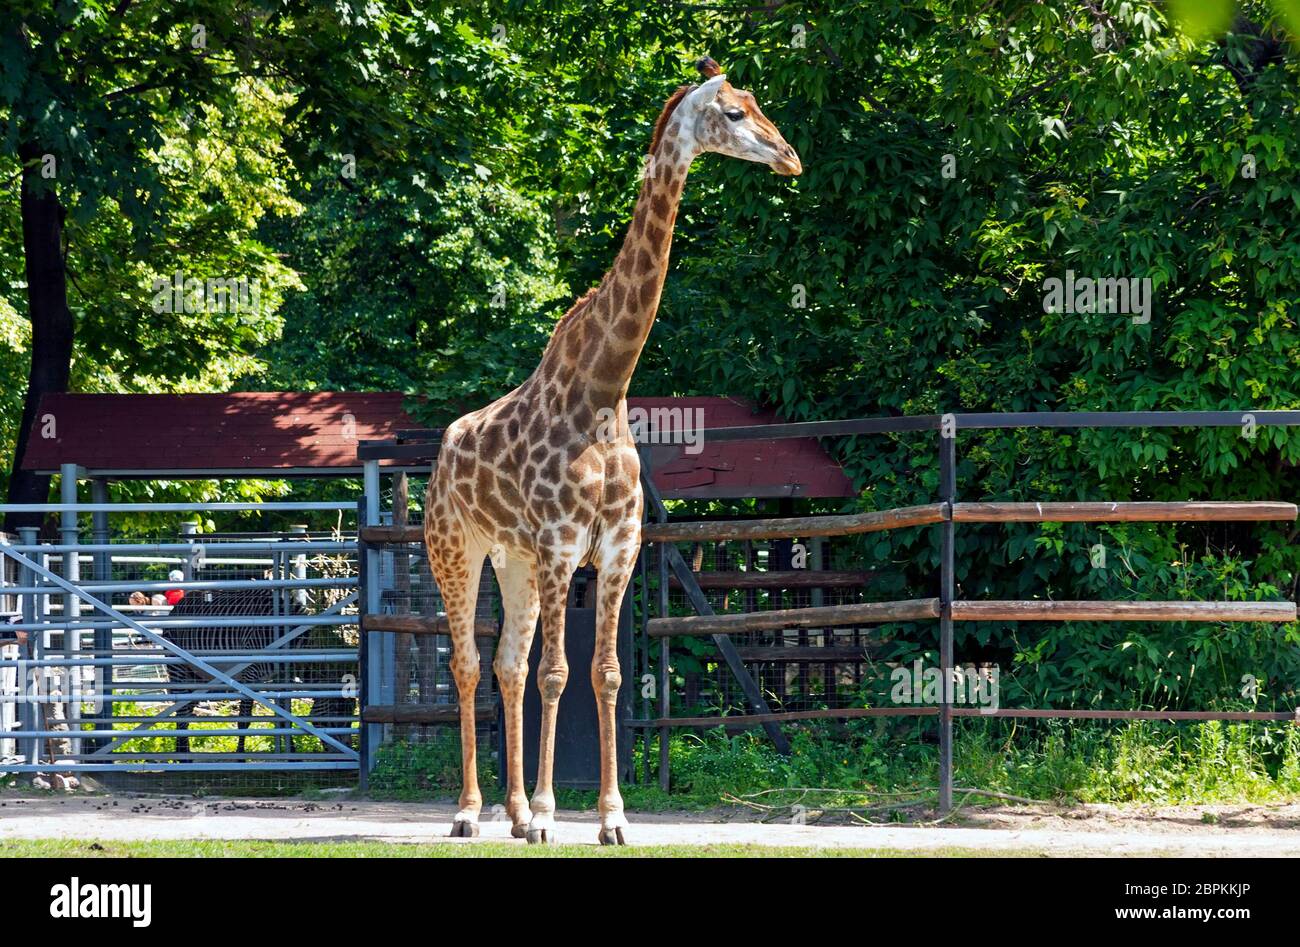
(79, 642)
(946, 512)
(438, 625)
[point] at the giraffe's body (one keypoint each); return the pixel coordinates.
(547, 479)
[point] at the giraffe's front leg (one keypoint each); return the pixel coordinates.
(456, 569)
(614, 571)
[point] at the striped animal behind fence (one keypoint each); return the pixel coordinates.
(249, 640)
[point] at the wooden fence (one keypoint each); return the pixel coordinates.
(675, 573)
(944, 607)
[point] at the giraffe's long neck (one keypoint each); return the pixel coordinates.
(600, 341)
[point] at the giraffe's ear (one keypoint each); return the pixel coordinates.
(707, 92)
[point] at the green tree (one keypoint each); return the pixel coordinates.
(153, 135)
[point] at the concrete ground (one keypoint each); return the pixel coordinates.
(1083, 830)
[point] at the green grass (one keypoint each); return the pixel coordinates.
(215, 848)
(872, 761)
(1137, 762)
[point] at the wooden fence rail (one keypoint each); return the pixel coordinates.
(796, 526)
(777, 579)
(868, 613)
(1121, 512)
(1035, 610)
(423, 625)
(824, 616)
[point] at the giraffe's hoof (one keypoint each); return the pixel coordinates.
(520, 830)
(612, 836)
(541, 837)
(463, 828)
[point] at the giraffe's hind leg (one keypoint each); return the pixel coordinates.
(456, 566)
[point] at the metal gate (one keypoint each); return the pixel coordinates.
(243, 638)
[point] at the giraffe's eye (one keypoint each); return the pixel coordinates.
(734, 115)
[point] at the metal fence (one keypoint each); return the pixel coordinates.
(231, 653)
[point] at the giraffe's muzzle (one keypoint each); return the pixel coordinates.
(787, 161)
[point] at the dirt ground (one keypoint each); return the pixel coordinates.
(1242, 830)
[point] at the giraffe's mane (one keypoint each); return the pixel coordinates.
(670, 106)
(583, 301)
(661, 123)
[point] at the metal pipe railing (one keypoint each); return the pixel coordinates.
(240, 690)
(181, 507)
(187, 696)
(132, 660)
(191, 585)
(244, 621)
(244, 765)
(217, 548)
(192, 733)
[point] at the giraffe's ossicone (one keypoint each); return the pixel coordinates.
(546, 479)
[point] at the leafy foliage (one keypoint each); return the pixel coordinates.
(423, 187)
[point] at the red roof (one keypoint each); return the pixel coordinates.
(785, 467)
(254, 430)
(318, 433)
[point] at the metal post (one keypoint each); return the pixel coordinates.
(299, 597)
(30, 716)
(10, 678)
(99, 530)
(665, 710)
(643, 579)
(948, 494)
(188, 531)
(101, 638)
(8, 675)
(386, 653)
(363, 652)
(69, 535)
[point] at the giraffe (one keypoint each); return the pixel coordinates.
(546, 479)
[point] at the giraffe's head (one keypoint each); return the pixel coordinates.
(728, 121)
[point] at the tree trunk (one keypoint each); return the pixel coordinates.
(52, 324)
